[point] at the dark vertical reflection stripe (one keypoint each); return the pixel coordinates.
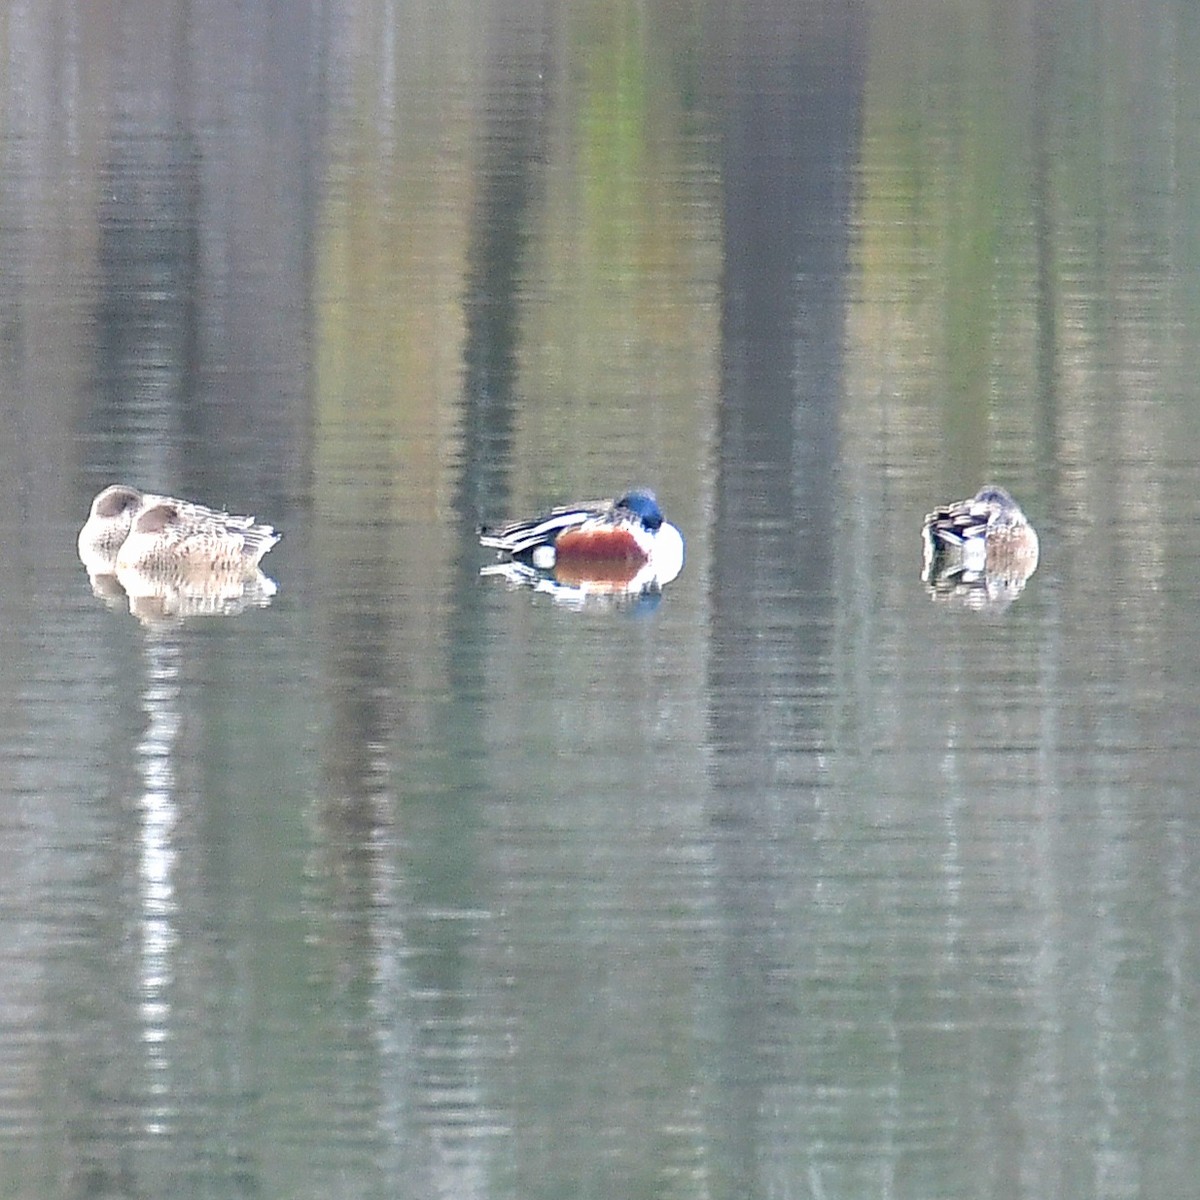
(195, 375)
(514, 131)
(794, 78)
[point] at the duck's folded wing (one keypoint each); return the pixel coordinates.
(521, 536)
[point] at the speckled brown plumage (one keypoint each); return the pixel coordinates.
(175, 539)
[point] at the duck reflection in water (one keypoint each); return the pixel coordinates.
(979, 552)
(174, 558)
(609, 548)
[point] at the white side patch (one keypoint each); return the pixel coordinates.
(974, 554)
(667, 558)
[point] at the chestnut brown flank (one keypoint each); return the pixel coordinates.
(577, 546)
(603, 576)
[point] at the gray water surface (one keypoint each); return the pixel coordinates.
(790, 881)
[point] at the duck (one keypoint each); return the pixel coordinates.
(986, 537)
(620, 544)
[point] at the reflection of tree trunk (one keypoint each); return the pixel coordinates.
(513, 140)
(195, 313)
(1044, 50)
(791, 146)
(148, 258)
(793, 98)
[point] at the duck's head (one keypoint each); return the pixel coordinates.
(156, 517)
(994, 494)
(117, 500)
(644, 505)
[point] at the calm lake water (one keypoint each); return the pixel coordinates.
(796, 880)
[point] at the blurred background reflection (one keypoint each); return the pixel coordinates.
(792, 883)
